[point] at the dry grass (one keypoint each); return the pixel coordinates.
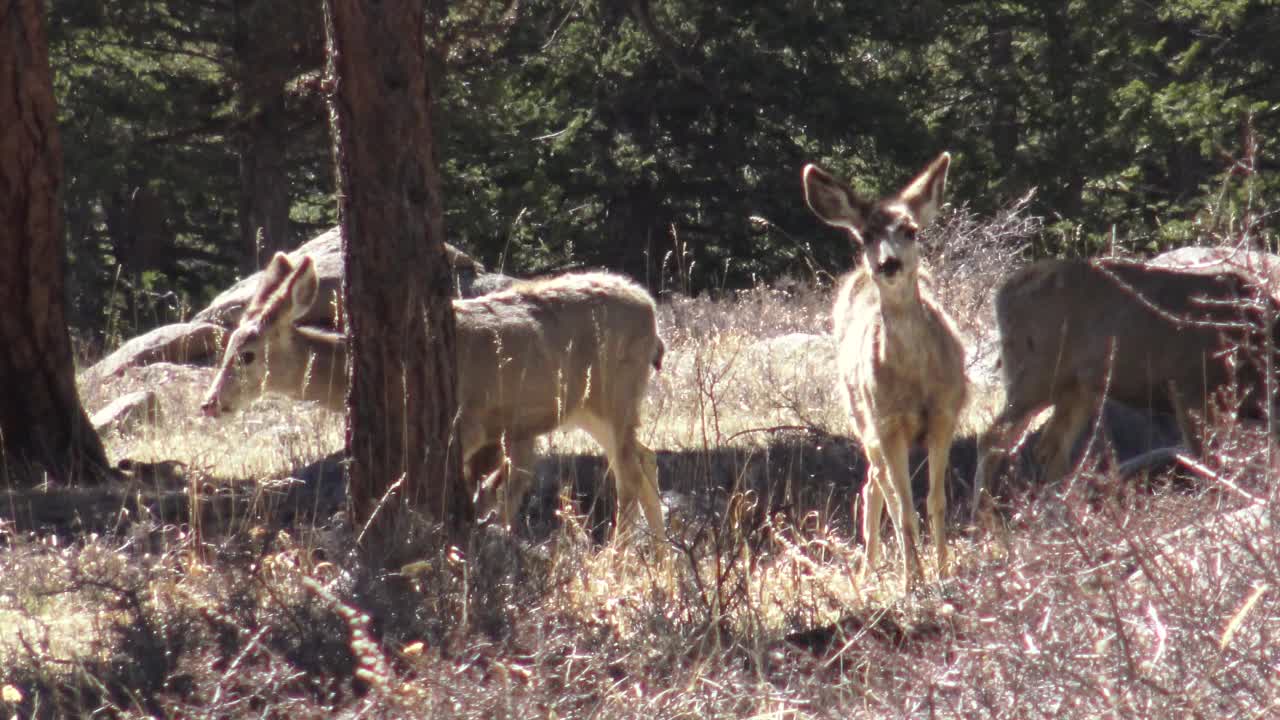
(1092, 599)
(275, 436)
(1076, 613)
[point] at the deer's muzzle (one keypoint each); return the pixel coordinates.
(211, 407)
(890, 267)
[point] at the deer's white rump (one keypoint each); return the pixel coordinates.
(575, 350)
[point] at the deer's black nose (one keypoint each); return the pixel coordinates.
(211, 407)
(890, 267)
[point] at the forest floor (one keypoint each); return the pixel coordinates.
(1090, 598)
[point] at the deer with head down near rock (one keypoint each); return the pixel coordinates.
(900, 360)
(572, 351)
(1167, 339)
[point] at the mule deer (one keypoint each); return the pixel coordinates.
(1075, 331)
(570, 351)
(900, 360)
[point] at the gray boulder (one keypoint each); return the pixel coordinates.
(199, 342)
(193, 343)
(470, 280)
(1261, 266)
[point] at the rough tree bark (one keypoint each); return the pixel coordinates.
(397, 286)
(264, 185)
(1063, 69)
(274, 42)
(43, 427)
(1004, 130)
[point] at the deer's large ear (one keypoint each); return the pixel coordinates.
(834, 202)
(923, 195)
(269, 281)
(276, 271)
(304, 286)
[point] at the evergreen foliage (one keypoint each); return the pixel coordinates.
(664, 138)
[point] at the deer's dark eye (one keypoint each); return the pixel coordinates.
(909, 233)
(247, 357)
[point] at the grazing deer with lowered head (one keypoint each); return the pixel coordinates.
(899, 357)
(569, 351)
(1073, 332)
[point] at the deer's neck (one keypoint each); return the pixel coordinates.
(903, 299)
(903, 314)
(323, 375)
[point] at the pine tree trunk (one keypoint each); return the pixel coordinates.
(1068, 142)
(43, 428)
(264, 183)
(262, 70)
(1004, 130)
(397, 286)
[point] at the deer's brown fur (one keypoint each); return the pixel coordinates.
(1075, 331)
(575, 350)
(900, 359)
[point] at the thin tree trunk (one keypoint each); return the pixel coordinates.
(262, 70)
(42, 424)
(1068, 142)
(1004, 101)
(264, 183)
(397, 286)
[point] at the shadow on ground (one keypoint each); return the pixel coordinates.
(795, 475)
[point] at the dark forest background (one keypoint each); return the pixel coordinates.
(662, 138)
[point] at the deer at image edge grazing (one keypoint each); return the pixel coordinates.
(1167, 339)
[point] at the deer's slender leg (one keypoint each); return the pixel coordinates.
(486, 473)
(898, 500)
(1058, 437)
(634, 469)
(995, 444)
(520, 468)
(873, 490)
(940, 436)
(648, 495)
(1186, 426)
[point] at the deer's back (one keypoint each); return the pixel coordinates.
(1128, 327)
(531, 355)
